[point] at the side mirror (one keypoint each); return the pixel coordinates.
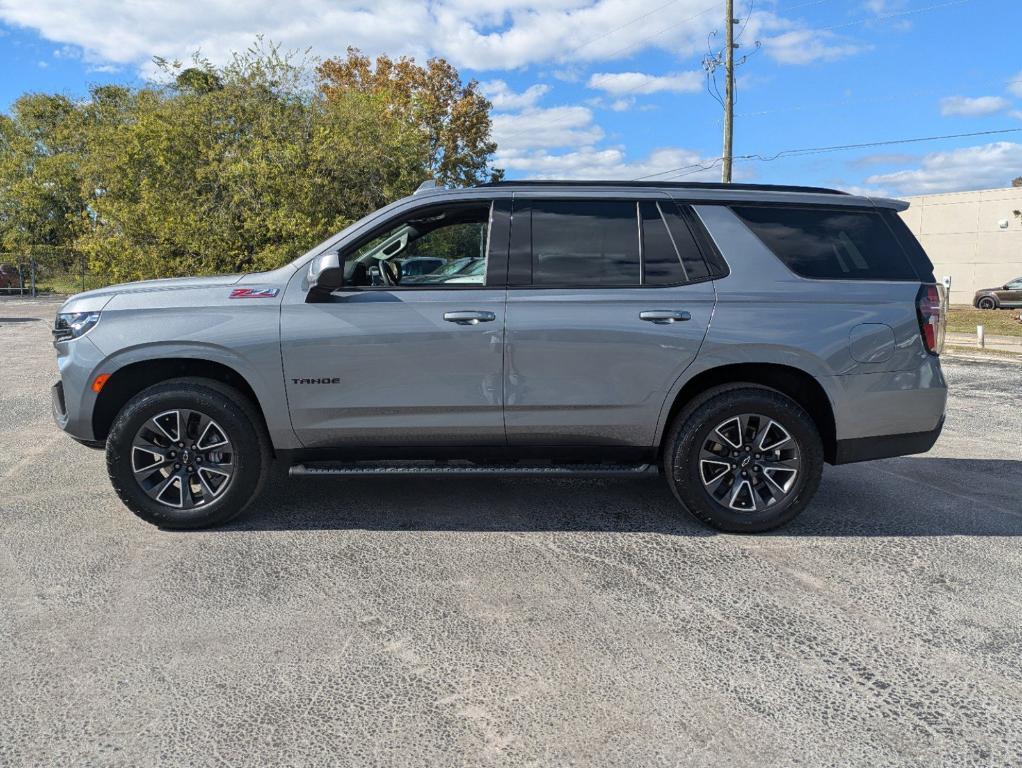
(326, 275)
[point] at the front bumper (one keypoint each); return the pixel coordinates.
(72, 398)
(59, 408)
(60, 416)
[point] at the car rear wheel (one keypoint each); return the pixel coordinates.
(187, 453)
(744, 459)
(987, 302)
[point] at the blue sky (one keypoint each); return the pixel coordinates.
(616, 88)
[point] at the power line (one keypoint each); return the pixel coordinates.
(863, 100)
(662, 31)
(622, 26)
(658, 33)
(703, 12)
(611, 55)
(820, 150)
(893, 15)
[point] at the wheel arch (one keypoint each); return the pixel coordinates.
(800, 386)
(991, 296)
(129, 380)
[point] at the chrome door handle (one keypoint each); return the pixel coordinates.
(664, 316)
(469, 318)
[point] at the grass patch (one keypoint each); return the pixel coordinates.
(998, 322)
(953, 350)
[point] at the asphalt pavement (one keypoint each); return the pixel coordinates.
(487, 622)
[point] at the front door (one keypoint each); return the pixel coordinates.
(398, 357)
(1012, 294)
(611, 305)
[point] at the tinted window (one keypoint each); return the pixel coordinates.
(660, 262)
(836, 244)
(910, 245)
(684, 241)
(584, 242)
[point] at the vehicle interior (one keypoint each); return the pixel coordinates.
(454, 239)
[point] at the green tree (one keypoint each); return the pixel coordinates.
(40, 173)
(215, 169)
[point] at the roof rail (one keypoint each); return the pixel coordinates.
(708, 185)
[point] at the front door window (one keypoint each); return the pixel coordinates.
(438, 247)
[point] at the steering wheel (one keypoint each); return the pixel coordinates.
(391, 272)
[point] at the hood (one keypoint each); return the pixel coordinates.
(95, 300)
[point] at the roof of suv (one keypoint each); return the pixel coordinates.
(690, 191)
(702, 185)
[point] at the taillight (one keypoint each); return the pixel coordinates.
(930, 309)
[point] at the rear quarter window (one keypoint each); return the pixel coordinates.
(830, 243)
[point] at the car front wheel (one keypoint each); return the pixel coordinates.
(744, 459)
(987, 302)
(187, 453)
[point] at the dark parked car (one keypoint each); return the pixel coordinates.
(10, 278)
(1008, 295)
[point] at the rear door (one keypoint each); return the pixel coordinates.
(608, 303)
(406, 364)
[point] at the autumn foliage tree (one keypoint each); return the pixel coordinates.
(453, 118)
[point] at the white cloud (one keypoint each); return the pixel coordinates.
(1016, 113)
(1015, 85)
(965, 106)
(67, 52)
(569, 126)
(612, 163)
(982, 167)
(882, 7)
(621, 83)
(854, 189)
(503, 98)
(479, 34)
(806, 46)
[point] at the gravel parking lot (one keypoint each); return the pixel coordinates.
(511, 622)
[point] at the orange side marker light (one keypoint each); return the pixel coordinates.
(99, 381)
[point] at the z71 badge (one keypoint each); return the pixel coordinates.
(254, 293)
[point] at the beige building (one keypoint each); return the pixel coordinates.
(975, 237)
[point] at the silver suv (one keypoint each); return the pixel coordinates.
(732, 337)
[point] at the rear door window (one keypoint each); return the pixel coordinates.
(585, 242)
(830, 243)
(660, 262)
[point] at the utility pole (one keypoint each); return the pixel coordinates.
(729, 90)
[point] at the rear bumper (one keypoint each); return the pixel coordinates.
(886, 446)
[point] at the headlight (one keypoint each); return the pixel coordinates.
(73, 325)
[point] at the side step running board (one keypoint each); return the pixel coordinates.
(421, 469)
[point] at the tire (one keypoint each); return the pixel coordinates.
(230, 459)
(694, 453)
(987, 302)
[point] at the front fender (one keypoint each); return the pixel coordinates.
(263, 374)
